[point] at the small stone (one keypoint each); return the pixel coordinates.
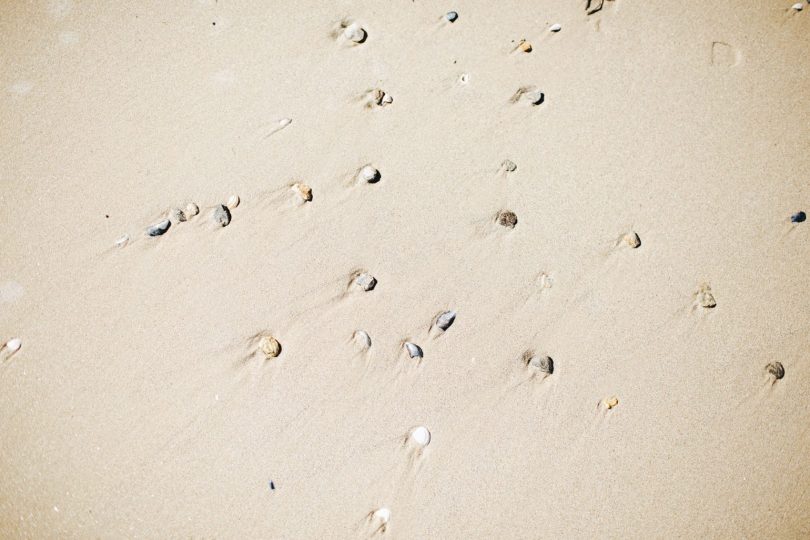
(776, 369)
(546, 281)
(507, 218)
(192, 210)
(176, 215)
(158, 228)
(354, 32)
(369, 174)
(421, 436)
(542, 363)
(451, 16)
(362, 337)
(509, 165)
(705, 297)
(233, 202)
(611, 402)
(797, 6)
(414, 350)
(536, 97)
(13, 345)
(122, 241)
(446, 320)
(555, 27)
(632, 240)
(464, 78)
(221, 215)
(798, 217)
(525, 46)
(284, 122)
(304, 191)
(366, 281)
(383, 514)
(270, 347)
(387, 99)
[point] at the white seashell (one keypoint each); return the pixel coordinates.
(446, 319)
(221, 215)
(383, 514)
(556, 27)
(158, 228)
(369, 174)
(366, 281)
(122, 241)
(284, 122)
(14, 344)
(177, 215)
(233, 202)
(355, 32)
(387, 99)
(798, 6)
(362, 337)
(421, 436)
(414, 350)
(192, 210)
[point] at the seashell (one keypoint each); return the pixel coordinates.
(507, 218)
(158, 228)
(383, 514)
(705, 296)
(420, 435)
(122, 241)
(176, 215)
(13, 345)
(541, 363)
(304, 191)
(446, 320)
(451, 16)
(233, 202)
(525, 46)
(387, 99)
(221, 215)
(797, 6)
(508, 165)
(776, 369)
(192, 210)
(414, 350)
(611, 402)
(556, 27)
(284, 122)
(369, 174)
(632, 240)
(354, 32)
(362, 337)
(798, 217)
(366, 281)
(270, 347)
(535, 97)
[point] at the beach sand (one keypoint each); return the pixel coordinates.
(140, 403)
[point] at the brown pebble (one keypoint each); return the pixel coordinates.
(525, 46)
(611, 402)
(304, 191)
(507, 218)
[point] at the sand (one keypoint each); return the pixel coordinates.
(140, 403)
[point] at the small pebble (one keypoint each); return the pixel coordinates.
(446, 320)
(414, 350)
(366, 281)
(542, 363)
(705, 296)
(798, 6)
(270, 347)
(362, 337)
(304, 191)
(421, 436)
(221, 215)
(387, 99)
(192, 210)
(546, 281)
(611, 402)
(464, 78)
(509, 165)
(355, 33)
(451, 16)
(383, 514)
(525, 46)
(233, 202)
(507, 218)
(798, 217)
(176, 215)
(158, 228)
(536, 98)
(555, 27)
(632, 240)
(369, 174)
(284, 122)
(122, 241)
(776, 369)
(13, 345)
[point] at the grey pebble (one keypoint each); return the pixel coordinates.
(158, 228)
(414, 350)
(366, 281)
(446, 319)
(221, 215)
(451, 16)
(536, 98)
(509, 165)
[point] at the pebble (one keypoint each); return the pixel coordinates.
(366, 281)
(284, 122)
(507, 218)
(221, 215)
(233, 202)
(158, 228)
(776, 369)
(798, 217)
(556, 27)
(464, 78)
(304, 191)
(546, 281)
(369, 174)
(542, 363)
(421, 436)
(176, 215)
(798, 6)
(387, 99)
(13, 345)
(705, 296)
(611, 402)
(122, 241)
(451, 16)
(509, 165)
(414, 350)
(383, 514)
(362, 337)
(525, 46)
(270, 347)
(446, 319)
(536, 97)
(632, 240)
(192, 210)
(355, 33)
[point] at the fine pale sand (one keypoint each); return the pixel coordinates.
(147, 398)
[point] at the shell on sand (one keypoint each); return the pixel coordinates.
(14, 344)
(535, 97)
(354, 32)
(705, 297)
(508, 165)
(122, 240)
(797, 6)
(506, 218)
(221, 215)
(420, 435)
(362, 337)
(632, 240)
(304, 191)
(177, 215)
(158, 228)
(387, 99)
(541, 363)
(233, 202)
(270, 347)
(446, 319)
(556, 27)
(192, 210)
(611, 402)
(414, 350)
(383, 514)
(776, 369)
(368, 174)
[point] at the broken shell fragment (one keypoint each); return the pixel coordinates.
(366, 281)
(776, 369)
(221, 215)
(270, 347)
(369, 174)
(507, 218)
(414, 350)
(446, 320)
(536, 97)
(192, 210)
(362, 337)
(387, 99)
(177, 216)
(233, 202)
(632, 240)
(421, 436)
(13, 345)
(508, 165)
(611, 402)
(158, 228)
(304, 191)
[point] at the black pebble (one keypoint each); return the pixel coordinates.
(798, 217)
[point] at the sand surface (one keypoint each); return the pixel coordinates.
(140, 405)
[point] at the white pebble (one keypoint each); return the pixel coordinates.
(387, 99)
(14, 344)
(362, 337)
(233, 202)
(369, 174)
(383, 514)
(284, 122)
(556, 27)
(192, 210)
(798, 6)
(354, 32)
(464, 78)
(421, 436)
(122, 241)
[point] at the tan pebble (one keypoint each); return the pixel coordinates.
(304, 191)
(632, 240)
(525, 46)
(611, 402)
(233, 202)
(270, 347)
